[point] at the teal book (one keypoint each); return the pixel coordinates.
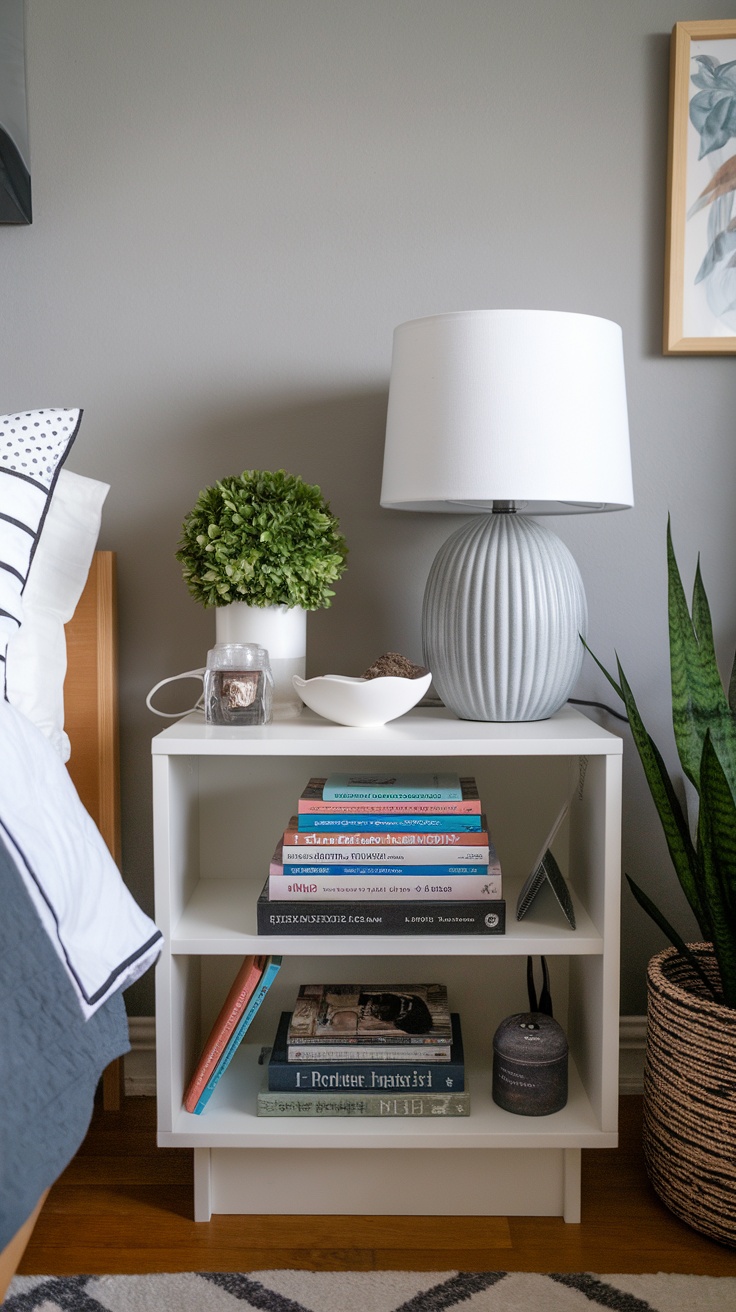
(386, 786)
(269, 974)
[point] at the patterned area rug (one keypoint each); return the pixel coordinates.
(371, 1291)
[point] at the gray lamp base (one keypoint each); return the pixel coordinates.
(504, 610)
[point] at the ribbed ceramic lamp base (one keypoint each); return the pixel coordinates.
(504, 608)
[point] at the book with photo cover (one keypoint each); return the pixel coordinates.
(377, 1014)
(354, 1073)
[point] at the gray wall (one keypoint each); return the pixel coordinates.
(235, 202)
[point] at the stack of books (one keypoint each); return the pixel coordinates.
(367, 1050)
(386, 854)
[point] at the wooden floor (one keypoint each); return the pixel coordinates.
(125, 1206)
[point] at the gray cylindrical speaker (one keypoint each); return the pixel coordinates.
(530, 1056)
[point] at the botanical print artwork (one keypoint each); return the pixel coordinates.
(709, 291)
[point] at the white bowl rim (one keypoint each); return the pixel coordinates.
(350, 679)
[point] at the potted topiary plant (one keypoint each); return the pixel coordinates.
(690, 1070)
(263, 549)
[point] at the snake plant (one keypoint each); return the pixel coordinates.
(704, 722)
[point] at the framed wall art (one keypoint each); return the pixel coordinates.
(700, 243)
(15, 175)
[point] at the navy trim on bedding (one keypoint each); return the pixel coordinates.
(12, 570)
(17, 523)
(90, 999)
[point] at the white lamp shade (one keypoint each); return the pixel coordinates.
(526, 406)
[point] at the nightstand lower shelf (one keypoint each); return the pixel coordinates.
(266, 1165)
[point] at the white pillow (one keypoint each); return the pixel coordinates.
(36, 655)
(33, 446)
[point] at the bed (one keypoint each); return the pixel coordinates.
(71, 935)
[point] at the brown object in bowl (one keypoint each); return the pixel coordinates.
(393, 664)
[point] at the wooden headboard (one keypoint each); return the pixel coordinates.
(91, 720)
(91, 699)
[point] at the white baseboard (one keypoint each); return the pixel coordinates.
(140, 1063)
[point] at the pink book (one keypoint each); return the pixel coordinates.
(243, 987)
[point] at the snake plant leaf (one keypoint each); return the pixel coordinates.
(671, 814)
(616, 687)
(672, 934)
(699, 703)
(717, 861)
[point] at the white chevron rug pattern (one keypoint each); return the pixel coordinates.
(372, 1291)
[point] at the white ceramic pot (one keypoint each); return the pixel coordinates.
(282, 630)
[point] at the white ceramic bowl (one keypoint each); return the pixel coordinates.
(361, 702)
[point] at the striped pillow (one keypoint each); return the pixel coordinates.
(33, 446)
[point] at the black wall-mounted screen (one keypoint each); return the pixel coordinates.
(15, 167)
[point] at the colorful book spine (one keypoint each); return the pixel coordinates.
(371, 787)
(269, 975)
(359, 1104)
(415, 826)
(388, 870)
(388, 837)
(391, 853)
(418, 918)
(241, 990)
(376, 887)
(312, 802)
(317, 806)
(377, 1075)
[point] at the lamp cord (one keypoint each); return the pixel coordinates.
(576, 701)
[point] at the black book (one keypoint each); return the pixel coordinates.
(385, 1076)
(430, 917)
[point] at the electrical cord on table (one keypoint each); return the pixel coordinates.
(576, 701)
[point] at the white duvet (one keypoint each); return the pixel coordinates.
(103, 938)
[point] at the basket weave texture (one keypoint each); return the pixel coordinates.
(690, 1094)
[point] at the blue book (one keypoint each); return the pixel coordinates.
(405, 869)
(373, 787)
(269, 975)
(384, 1076)
(406, 824)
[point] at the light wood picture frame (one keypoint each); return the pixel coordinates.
(700, 239)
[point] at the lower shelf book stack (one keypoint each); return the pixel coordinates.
(385, 854)
(357, 1050)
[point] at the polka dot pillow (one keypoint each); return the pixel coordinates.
(33, 446)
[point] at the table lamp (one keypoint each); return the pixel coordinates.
(504, 415)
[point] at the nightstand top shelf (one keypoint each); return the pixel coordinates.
(422, 732)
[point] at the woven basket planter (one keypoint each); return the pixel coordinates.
(690, 1095)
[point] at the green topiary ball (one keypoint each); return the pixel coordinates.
(266, 539)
